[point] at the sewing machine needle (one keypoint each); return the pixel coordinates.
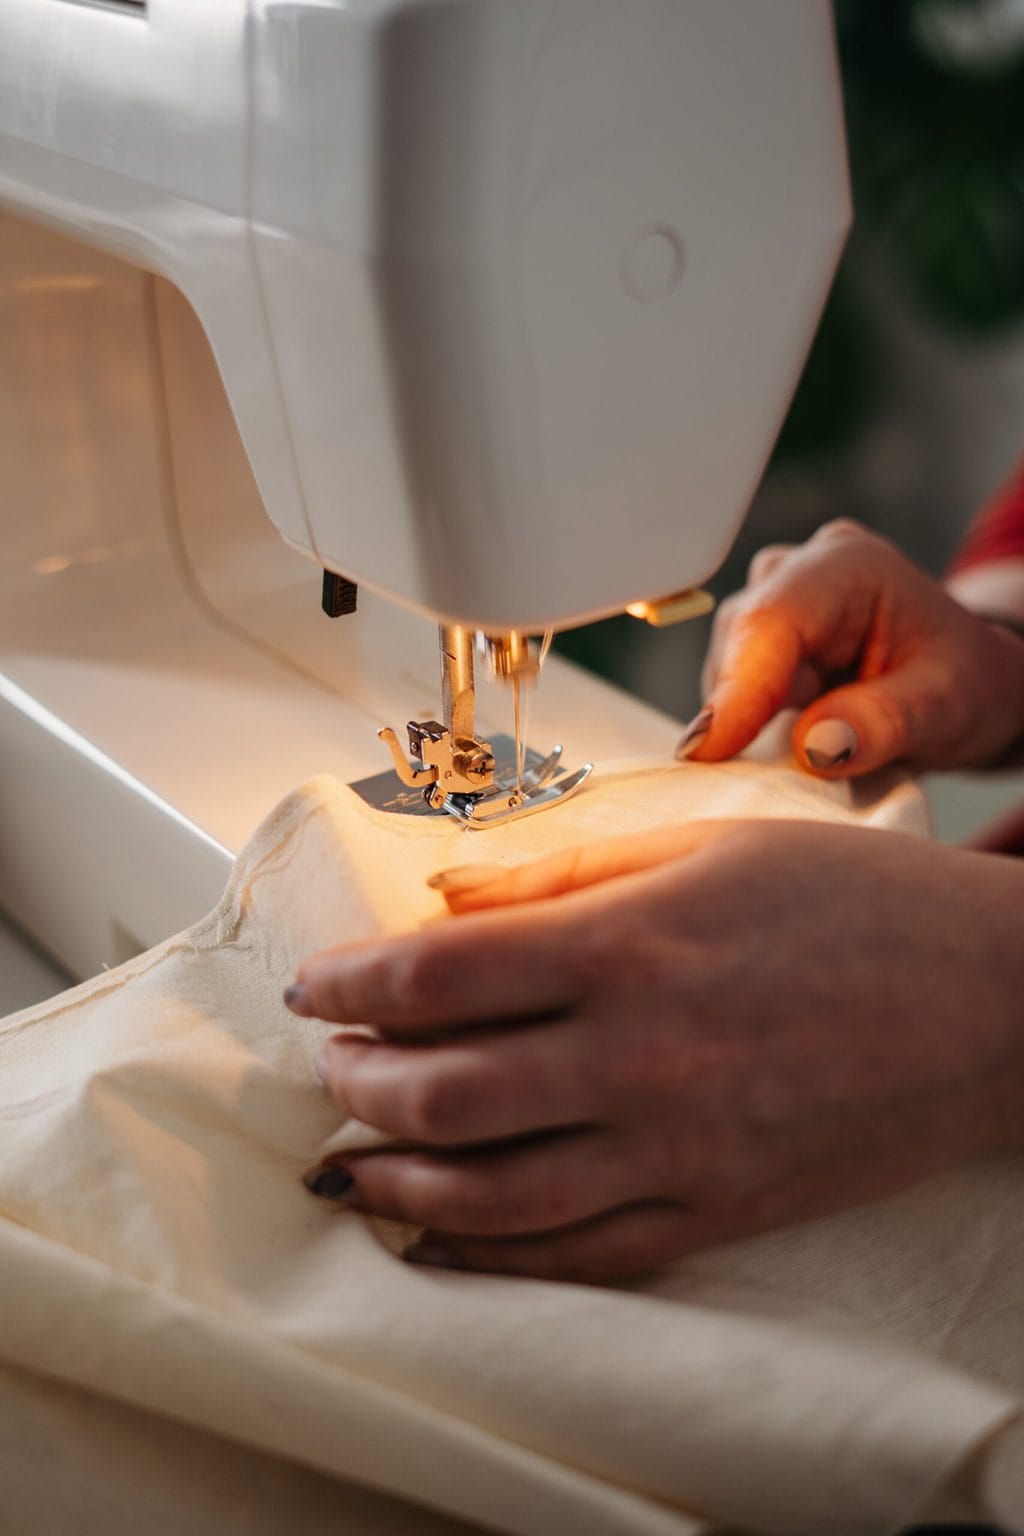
(517, 708)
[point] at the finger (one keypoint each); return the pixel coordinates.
(725, 616)
(480, 1087)
(815, 608)
(760, 657)
(464, 877)
(639, 1237)
(804, 686)
(508, 1190)
(574, 869)
(767, 561)
(899, 717)
(764, 564)
(491, 967)
(613, 1246)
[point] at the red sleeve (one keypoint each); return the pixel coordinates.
(997, 533)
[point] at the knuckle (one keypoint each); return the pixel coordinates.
(639, 958)
(505, 1196)
(358, 1098)
(461, 1204)
(727, 611)
(591, 959)
(746, 607)
(842, 529)
(511, 1207)
(650, 1068)
(765, 561)
(423, 976)
(852, 542)
(343, 1067)
(900, 717)
(758, 609)
(430, 1106)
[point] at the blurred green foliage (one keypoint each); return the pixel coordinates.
(935, 116)
(934, 93)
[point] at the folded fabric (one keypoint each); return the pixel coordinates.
(157, 1246)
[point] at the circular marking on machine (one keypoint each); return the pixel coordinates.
(652, 264)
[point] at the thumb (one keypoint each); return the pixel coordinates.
(571, 869)
(865, 725)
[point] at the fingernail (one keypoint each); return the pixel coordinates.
(694, 734)
(466, 877)
(829, 744)
(298, 1000)
(432, 1254)
(331, 1183)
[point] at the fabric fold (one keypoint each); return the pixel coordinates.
(157, 1244)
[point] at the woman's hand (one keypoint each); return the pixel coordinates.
(659, 1043)
(922, 679)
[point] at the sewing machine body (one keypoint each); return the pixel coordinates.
(493, 306)
(167, 674)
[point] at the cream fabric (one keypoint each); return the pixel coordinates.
(157, 1247)
(75, 1463)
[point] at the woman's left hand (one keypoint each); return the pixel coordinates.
(656, 1044)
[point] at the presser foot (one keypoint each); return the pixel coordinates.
(544, 784)
(538, 789)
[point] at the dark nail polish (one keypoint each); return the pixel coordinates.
(822, 760)
(329, 1183)
(454, 882)
(695, 733)
(296, 998)
(829, 744)
(432, 1254)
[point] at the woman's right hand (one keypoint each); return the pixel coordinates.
(884, 664)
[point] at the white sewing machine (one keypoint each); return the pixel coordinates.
(494, 306)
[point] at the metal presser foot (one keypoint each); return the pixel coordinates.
(450, 770)
(544, 783)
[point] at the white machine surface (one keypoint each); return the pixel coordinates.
(494, 307)
(26, 975)
(509, 297)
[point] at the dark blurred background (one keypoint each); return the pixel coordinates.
(911, 408)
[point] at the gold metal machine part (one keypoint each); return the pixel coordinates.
(451, 764)
(692, 603)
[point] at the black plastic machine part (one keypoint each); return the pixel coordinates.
(339, 595)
